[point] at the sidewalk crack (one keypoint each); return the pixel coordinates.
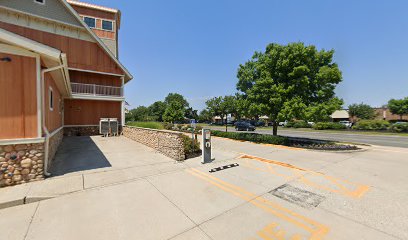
(31, 220)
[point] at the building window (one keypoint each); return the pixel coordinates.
(51, 99)
(107, 25)
(40, 2)
(91, 22)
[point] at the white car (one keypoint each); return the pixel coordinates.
(346, 123)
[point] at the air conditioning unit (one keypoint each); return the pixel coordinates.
(114, 126)
(104, 127)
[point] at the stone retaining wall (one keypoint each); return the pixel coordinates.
(53, 144)
(168, 143)
(84, 131)
(21, 163)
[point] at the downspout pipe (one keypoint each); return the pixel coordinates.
(44, 127)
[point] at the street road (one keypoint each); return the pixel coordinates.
(380, 140)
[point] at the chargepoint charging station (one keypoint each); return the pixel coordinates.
(206, 141)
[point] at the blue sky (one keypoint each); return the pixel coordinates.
(194, 47)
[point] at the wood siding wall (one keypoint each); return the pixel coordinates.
(89, 112)
(18, 98)
(53, 118)
(81, 54)
(94, 78)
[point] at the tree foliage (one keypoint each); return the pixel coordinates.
(156, 110)
(205, 116)
(399, 106)
(174, 112)
(287, 80)
(174, 108)
(361, 111)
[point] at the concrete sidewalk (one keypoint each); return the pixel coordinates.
(88, 162)
(274, 193)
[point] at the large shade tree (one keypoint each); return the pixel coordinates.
(285, 81)
(399, 106)
(361, 111)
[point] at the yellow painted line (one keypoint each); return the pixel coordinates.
(358, 192)
(316, 229)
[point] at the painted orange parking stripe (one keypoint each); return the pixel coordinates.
(358, 192)
(316, 229)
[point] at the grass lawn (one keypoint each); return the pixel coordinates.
(153, 125)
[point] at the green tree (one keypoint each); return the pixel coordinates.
(361, 111)
(140, 113)
(175, 97)
(214, 107)
(156, 110)
(205, 116)
(399, 106)
(286, 80)
(174, 112)
(191, 113)
(321, 112)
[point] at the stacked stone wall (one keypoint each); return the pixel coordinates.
(21, 163)
(168, 143)
(53, 144)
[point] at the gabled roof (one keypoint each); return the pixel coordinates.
(88, 5)
(128, 76)
(340, 114)
(18, 40)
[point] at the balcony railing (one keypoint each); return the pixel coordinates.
(96, 90)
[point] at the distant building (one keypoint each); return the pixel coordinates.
(385, 114)
(340, 115)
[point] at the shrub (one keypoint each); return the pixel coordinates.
(168, 126)
(298, 124)
(188, 145)
(328, 125)
(399, 127)
(152, 125)
(253, 137)
(372, 125)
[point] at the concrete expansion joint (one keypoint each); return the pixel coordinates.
(363, 224)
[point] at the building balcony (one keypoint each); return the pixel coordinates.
(96, 90)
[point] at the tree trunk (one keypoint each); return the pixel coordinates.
(275, 128)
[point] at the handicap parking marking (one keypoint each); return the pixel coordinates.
(307, 228)
(311, 178)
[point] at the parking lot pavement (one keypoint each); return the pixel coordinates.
(274, 193)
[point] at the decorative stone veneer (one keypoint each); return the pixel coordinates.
(53, 144)
(21, 163)
(83, 131)
(168, 143)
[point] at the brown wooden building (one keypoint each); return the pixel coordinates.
(59, 69)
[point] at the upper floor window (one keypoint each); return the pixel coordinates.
(91, 22)
(40, 1)
(107, 25)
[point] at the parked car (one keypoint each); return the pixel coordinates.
(311, 123)
(282, 124)
(244, 126)
(346, 123)
(399, 123)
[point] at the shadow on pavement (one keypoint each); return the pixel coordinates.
(77, 154)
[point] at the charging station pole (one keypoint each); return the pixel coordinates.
(206, 141)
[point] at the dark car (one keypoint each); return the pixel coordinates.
(244, 126)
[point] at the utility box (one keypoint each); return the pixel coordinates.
(114, 126)
(104, 127)
(206, 148)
